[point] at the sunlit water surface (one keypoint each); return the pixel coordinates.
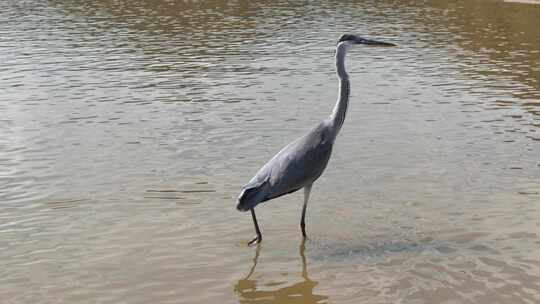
(127, 129)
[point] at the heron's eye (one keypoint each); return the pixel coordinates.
(346, 37)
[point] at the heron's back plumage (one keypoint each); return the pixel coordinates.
(298, 164)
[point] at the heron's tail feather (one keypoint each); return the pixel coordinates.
(251, 195)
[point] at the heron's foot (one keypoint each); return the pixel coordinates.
(255, 241)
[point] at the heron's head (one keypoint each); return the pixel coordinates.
(350, 40)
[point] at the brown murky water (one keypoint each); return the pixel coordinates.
(128, 127)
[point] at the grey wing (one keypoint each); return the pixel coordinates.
(300, 163)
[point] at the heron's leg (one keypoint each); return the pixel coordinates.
(304, 264)
(258, 238)
(307, 190)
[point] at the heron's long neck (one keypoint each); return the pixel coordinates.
(340, 109)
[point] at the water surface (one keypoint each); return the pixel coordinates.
(127, 130)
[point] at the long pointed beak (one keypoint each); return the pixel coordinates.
(373, 42)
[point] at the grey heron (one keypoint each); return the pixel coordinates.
(299, 164)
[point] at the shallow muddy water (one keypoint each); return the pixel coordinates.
(127, 129)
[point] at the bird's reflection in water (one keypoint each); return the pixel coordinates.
(301, 292)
